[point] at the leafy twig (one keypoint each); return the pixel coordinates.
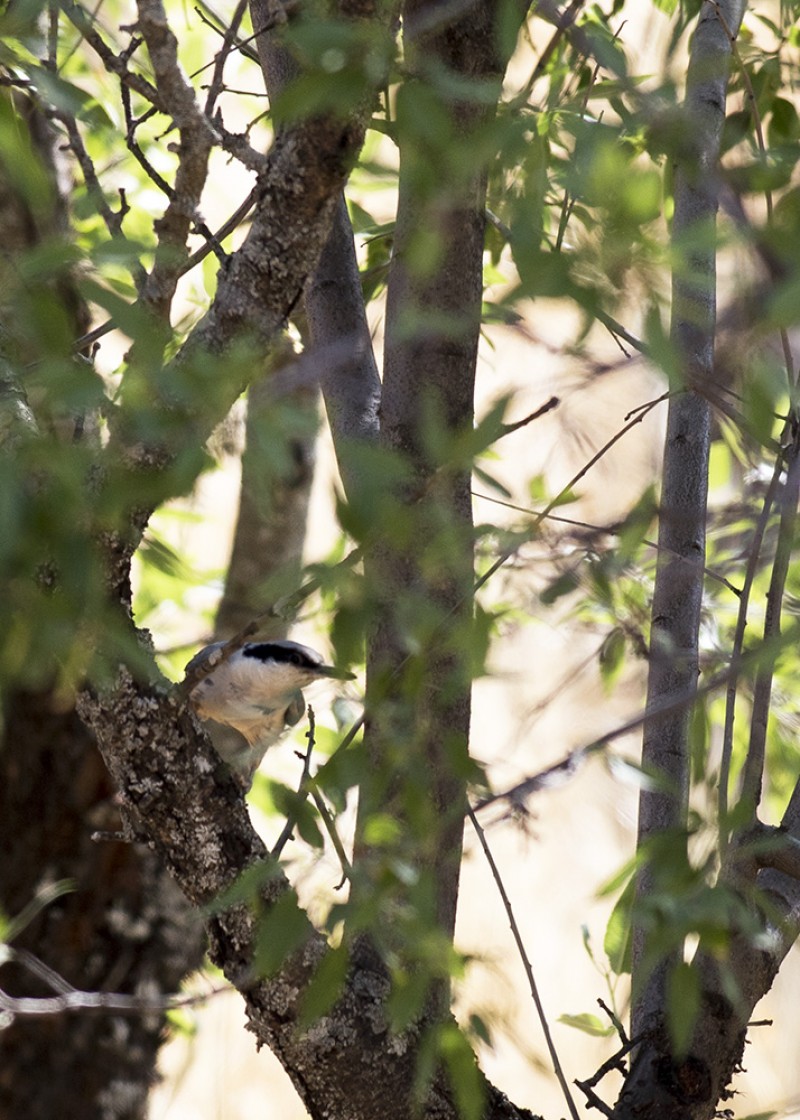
(506, 555)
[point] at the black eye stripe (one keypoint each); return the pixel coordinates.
(272, 651)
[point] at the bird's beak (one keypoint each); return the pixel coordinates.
(334, 673)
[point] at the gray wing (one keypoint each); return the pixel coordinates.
(296, 710)
(201, 656)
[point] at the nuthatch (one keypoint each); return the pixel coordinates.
(256, 690)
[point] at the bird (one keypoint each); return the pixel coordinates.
(257, 690)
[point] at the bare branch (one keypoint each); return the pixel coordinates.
(112, 218)
(114, 63)
(753, 772)
(70, 999)
(228, 41)
(196, 140)
(558, 1069)
(333, 299)
(738, 645)
(212, 244)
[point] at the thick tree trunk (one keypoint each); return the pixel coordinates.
(124, 926)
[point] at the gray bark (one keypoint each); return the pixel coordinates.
(125, 926)
(171, 790)
(428, 379)
(267, 555)
(679, 579)
(332, 299)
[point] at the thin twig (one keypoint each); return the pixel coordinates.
(322, 809)
(563, 770)
(548, 406)
(564, 22)
(753, 774)
(736, 650)
(221, 57)
(302, 791)
(526, 964)
(609, 322)
(615, 1062)
(227, 228)
(309, 785)
(506, 555)
(616, 1021)
(568, 204)
(114, 63)
(113, 218)
(68, 998)
(281, 16)
(610, 530)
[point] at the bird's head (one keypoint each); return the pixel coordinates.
(290, 664)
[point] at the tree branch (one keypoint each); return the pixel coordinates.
(197, 137)
(678, 589)
(753, 773)
(333, 299)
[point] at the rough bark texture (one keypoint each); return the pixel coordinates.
(347, 1064)
(125, 926)
(172, 790)
(171, 787)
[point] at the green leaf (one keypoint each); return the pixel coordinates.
(784, 124)
(612, 656)
(297, 808)
(407, 998)
(325, 986)
(282, 929)
(564, 585)
(618, 941)
(480, 1029)
(588, 1024)
(683, 1006)
(465, 1076)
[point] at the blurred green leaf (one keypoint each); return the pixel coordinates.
(325, 987)
(281, 931)
(618, 941)
(587, 1024)
(683, 1006)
